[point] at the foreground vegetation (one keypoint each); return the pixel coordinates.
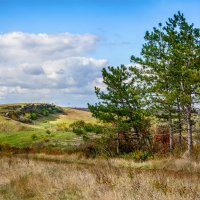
(33, 179)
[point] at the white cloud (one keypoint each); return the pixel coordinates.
(47, 64)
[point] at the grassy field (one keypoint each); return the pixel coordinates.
(17, 134)
(40, 179)
(71, 176)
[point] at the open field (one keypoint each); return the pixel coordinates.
(57, 175)
(22, 179)
(17, 134)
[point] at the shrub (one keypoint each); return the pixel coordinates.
(62, 127)
(34, 136)
(23, 119)
(33, 116)
(138, 155)
(50, 110)
(79, 131)
(88, 127)
(85, 138)
(77, 124)
(97, 129)
(78, 127)
(27, 115)
(103, 146)
(45, 112)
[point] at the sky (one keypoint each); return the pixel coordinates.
(54, 50)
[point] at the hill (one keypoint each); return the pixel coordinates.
(32, 125)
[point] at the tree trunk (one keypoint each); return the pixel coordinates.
(189, 129)
(171, 134)
(180, 135)
(179, 125)
(117, 142)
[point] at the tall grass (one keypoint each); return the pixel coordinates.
(29, 179)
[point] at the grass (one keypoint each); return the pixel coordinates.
(24, 139)
(9, 125)
(20, 135)
(23, 179)
(17, 139)
(74, 177)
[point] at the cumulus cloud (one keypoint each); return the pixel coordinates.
(48, 64)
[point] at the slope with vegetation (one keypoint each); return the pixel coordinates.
(56, 130)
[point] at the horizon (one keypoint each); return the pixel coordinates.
(53, 51)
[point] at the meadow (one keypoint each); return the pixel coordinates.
(41, 179)
(51, 129)
(65, 175)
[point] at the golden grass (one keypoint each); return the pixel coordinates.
(9, 125)
(37, 180)
(69, 116)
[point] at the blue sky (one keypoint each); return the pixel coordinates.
(115, 28)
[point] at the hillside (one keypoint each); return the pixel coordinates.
(49, 127)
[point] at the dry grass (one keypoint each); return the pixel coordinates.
(71, 115)
(9, 125)
(31, 179)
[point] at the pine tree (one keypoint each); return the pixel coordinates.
(122, 103)
(171, 59)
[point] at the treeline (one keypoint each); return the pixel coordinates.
(164, 82)
(27, 112)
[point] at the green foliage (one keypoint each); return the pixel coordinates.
(45, 111)
(81, 128)
(123, 102)
(34, 136)
(171, 71)
(78, 127)
(85, 138)
(138, 155)
(48, 131)
(27, 115)
(62, 127)
(50, 110)
(33, 116)
(94, 128)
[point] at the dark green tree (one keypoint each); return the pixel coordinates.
(171, 58)
(122, 104)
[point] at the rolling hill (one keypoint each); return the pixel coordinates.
(48, 128)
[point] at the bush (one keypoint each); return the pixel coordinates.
(23, 119)
(33, 116)
(97, 129)
(45, 112)
(79, 131)
(27, 115)
(50, 110)
(78, 127)
(48, 131)
(62, 127)
(138, 155)
(34, 136)
(103, 146)
(77, 124)
(85, 138)
(88, 127)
